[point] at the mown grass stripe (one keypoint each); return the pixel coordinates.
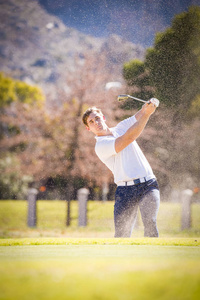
(101, 241)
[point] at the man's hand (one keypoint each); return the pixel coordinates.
(148, 108)
(154, 101)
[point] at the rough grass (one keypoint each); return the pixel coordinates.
(51, 221)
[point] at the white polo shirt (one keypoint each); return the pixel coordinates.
(128, 164)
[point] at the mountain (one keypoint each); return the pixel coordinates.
(38, 48)
(135, 20)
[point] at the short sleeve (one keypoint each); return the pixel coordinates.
(124, 125)
(105, 147)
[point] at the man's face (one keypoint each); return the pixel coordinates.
(96, 123)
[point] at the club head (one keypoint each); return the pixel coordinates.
(122, 97)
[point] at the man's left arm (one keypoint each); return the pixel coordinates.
(136, 129)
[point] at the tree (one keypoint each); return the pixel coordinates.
(13, 184)
(174, 62)
(171, 69)
(87, 86)
(15, 90)
(138, 79)
(16, 99)
(174, 160)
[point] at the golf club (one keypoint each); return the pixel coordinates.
(125, 97)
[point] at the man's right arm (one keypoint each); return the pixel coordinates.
(142, 117)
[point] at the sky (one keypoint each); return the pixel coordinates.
(134, 20)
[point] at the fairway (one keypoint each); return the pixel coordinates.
(57, 262)
(109, 269)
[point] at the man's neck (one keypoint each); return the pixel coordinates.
(105, 132)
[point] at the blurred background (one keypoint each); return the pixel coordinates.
(57, 58)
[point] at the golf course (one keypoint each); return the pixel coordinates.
(53, 261)
(99, 150)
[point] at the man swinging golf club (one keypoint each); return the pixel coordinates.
(136, 184)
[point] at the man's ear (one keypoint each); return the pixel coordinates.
(104, 118)
(87, 128)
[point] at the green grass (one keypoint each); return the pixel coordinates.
(101, 241)
(119, 270)
(52, 220)
(53, 261)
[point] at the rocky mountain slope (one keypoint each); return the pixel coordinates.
(38, 48)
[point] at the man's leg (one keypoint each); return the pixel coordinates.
(149, 206)
(125, 211)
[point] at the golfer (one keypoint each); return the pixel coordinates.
(136, 184)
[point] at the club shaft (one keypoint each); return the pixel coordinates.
(137, 99)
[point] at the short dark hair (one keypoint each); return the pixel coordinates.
(88, 112)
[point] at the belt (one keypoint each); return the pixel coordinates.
(135, 181)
